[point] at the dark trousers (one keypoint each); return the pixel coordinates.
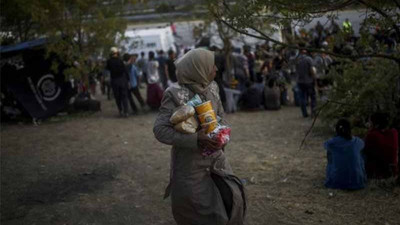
(306, 91)
(164, 80)
(107, 89)
(131, 102)
(138, 96)
(120, 90)
(136, 92)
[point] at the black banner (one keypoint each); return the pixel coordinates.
(26, 75)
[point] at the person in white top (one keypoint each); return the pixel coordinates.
(152, 70)
(154, 90)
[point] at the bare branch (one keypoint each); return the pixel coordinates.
(313, 6)
(397, 3)
(312, 125)
(382, 13)
(266, 37)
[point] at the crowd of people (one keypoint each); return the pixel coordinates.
(122, 76)
(250, 78)
(261, 77)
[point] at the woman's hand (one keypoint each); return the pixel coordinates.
(204, 141)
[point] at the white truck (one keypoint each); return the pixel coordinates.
(146, 40)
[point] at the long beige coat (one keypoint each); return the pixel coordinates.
(195, 197)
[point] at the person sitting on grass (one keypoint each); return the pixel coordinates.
(381, 148)
(250, 98)
(345, 168)
(272, 95)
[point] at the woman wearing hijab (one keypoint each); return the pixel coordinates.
(345, 168)
(203, 189)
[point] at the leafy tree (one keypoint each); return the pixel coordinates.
(359, 90)
(365, 86)
(77, 30)
(16, 21)
(243, 15)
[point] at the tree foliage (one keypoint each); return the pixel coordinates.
(360, 89)
(364, 87)
(77, 30)
(241, 15)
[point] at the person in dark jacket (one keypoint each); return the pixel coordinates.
(305, 81)
(119, 81)
(250, 98)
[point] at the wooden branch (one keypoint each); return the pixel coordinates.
(266, 37)
(312, 125)
(313, 6)
(382, 13)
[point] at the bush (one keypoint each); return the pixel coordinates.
(364, 87)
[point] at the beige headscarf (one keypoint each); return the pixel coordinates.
(194, 69)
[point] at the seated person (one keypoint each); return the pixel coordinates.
(259, 85)
(345, 168)
(381, 148)
(250, 98)
(272, 95)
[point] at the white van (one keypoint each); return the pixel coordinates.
(239, 40)
(146, 40)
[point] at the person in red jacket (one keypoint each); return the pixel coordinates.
(381, 148)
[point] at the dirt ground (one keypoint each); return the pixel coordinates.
(100, 169)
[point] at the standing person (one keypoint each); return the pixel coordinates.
(161, 69)
(203, 189)
(133, 80)
(250, 62)
(381, 148)
(170, 69)
(241, 68)
(334, 27)
(345, 168)
(154, 90)
(305, 81)
(119, 81)
(322, 63)
(128, 65)
(347, 27)
(107, 81)
(142, 66)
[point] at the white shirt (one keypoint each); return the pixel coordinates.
(152, 72)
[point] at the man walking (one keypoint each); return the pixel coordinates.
(305, 80)
(133, 80)
(119, 81)
(161, 69)
(142, 66)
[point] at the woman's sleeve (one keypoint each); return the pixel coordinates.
(164, 131)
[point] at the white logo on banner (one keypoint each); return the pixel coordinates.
(48, 88)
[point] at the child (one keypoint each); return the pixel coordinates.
(381, 148)
(345, 169)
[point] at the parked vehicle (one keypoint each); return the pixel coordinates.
(146, 40)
